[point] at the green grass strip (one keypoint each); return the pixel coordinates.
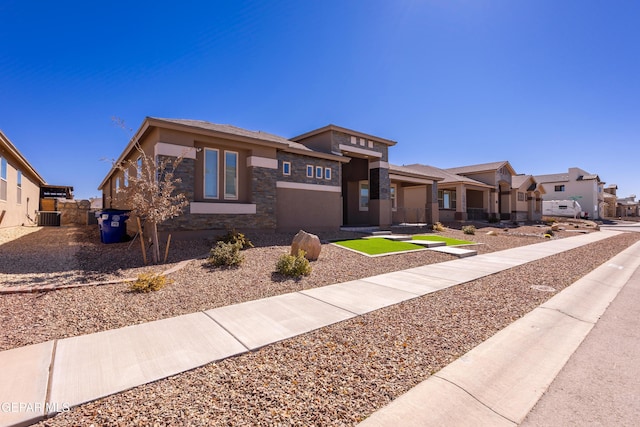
(378, 246)
(447, 240)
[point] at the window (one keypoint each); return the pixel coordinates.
(327, 173)
(559, 188)
(126, 178)
(3, 178)
(286, 168)
(446, 199)
(354, 140)
(118, 183)
(210, 173)
(364, 195)
(362, 141)
(139, 167)
(19, 191)
(309, 171)
(230, 175)
(520, 196)
(392, 195)
(319, 172)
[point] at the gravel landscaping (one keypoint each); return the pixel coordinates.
(334, 376)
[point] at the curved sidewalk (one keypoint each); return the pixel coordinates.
(42, 379)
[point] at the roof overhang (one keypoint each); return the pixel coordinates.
(330, 128)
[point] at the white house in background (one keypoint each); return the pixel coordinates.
(575, 184)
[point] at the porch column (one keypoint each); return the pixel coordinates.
(461, 203)
(432, 212)
(494, 204)
(379, 200)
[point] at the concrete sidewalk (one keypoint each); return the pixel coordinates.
(498, 382)
(42, 379)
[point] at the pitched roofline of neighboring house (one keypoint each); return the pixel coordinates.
(443, 175)
(331, 127)
(216, 130)
(552, 177)
(483, 167)
(413, 173)
(18, 155)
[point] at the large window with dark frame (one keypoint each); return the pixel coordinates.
(446, 199)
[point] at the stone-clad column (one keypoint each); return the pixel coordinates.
(379, 199)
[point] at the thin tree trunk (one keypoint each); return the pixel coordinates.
(155, 250)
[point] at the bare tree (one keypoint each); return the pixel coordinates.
(150, 191)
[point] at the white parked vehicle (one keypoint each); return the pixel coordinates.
(567, 208)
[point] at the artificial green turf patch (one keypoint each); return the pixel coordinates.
(447, 240)
(378, 246)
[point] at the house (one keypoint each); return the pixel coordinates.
(575, 184)
(628, 207)
(457, 197)
(20, 186)
(233, 177)
(526, 198)
(498, 175)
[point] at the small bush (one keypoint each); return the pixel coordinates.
(147, 282)
(493, 219)
(234, 236)
(438, 226)
(293, 266)
(549, 232)
(469, 229)
(226, 255)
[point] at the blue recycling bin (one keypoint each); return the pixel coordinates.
(113, 228)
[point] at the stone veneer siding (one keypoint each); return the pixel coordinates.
(299, 169)
(379, 184)
(263, 194)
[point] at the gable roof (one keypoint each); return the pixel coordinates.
(444, 176)
(6, 144)
(518, 181)
(552, 177)
(483, 167)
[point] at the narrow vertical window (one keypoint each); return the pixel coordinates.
(327, 173)
(392, 195)
(3, 178)
(286, 168)
(139, 167)
(19, 190)
(309, 171)
(230, 175)
(319, 172)
(210, 173)
(364, 195)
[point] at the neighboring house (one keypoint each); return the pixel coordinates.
(498, 175)
(235, 177)
(610, 201)
(526, 198)
(628, 206)
(575, 184)
(457, 197)
(19, 186)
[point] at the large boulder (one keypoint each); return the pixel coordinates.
(309, 243)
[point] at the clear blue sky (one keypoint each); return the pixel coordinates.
(544, 84)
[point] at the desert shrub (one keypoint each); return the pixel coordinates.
(438, 226)
(234, 236)
(147, 282)
(226, 255)
(293, 265)
(549, 232)
(469, 229)
(493, 219)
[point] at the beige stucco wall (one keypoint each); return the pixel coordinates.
(16, 214)
(308, 210)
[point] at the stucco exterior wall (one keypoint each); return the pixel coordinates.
(18, 212)
(308, 210)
